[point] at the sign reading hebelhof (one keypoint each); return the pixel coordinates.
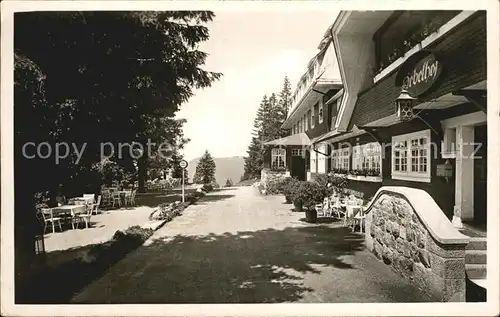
(420, 76)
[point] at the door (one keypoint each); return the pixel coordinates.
(480, 175)
(298, 162)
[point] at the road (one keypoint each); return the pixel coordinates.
(237, 246)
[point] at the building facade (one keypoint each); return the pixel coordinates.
(410, 116)
(313, 113)
(440, 58)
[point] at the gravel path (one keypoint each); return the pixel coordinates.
(236, 246)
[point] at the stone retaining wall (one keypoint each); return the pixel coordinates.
(406, 230)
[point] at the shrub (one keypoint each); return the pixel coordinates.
(308, 194)
(331, 183)
(289, 186)
(191, 198)
(199, 194)
(275, 185)
(207, 187)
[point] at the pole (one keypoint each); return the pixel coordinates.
(183, 200)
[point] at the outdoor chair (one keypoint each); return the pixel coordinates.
(89, 196)
(354, 214)
(97, 205)
(130, 198)
(107, 199)
(336, 208)
(117, 199)
(49, 219)
(85, 216)
(320, 208)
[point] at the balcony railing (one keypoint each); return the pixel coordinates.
(413, 39)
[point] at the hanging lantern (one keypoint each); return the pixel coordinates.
(404, 106)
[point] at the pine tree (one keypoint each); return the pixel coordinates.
(259, 119)
(205, 170)
(285, 101)
(254, 161)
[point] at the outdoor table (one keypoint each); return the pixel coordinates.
(69, 210)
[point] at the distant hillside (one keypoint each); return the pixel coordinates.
(226, 167)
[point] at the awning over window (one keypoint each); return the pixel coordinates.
(332, 137)
(295, 139)
(383, 122)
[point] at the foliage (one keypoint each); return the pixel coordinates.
(205, 170)
(177, 171)
(109, 77)
(276, 185)
(330, 183)
(365, 172)
(289, 186)
(99, 77)
(339, 183)
(308, 194)
(207, 187)
(167, 211)
(229, 183)
(410, 41)
(340, 171)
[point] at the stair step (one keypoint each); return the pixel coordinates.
(476, 244)
(476, 271)
(475, 257)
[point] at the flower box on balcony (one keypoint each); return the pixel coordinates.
(372, 179)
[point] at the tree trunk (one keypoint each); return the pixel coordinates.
(143, 174)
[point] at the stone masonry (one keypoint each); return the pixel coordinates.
(397, 236)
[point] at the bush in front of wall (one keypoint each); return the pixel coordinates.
(276, 185)
(307, 194)
(289, 186)
(207, 187)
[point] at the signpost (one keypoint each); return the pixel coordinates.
(183, 164)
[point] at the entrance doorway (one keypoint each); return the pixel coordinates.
(298, 160)
(480, 176)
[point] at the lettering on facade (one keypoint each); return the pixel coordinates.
(422, 76)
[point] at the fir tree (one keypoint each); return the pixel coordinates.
(205, 170)
(285, 101)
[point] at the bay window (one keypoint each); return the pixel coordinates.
(278, 159)
(367, 158)
(340, 159)
(411, 156)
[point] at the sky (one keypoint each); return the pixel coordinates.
(254, 51)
